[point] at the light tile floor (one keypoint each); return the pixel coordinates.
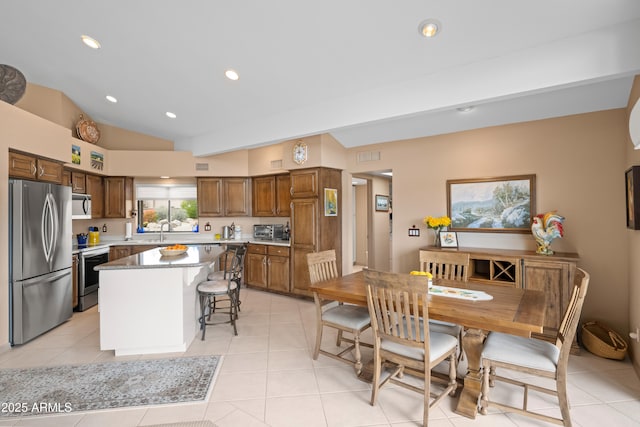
(268, 378)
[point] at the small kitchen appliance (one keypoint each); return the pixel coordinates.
(268, 231)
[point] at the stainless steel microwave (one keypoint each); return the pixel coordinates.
(80, 206)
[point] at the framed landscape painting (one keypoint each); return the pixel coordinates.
(502, 204)
(632, 184)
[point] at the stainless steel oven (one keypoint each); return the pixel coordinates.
(88, 278)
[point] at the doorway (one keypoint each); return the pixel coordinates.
(372, 228)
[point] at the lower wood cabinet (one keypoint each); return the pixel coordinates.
(267, 267)
(121, 251)
(551, 274)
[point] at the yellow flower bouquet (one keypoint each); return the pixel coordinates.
(437, 224)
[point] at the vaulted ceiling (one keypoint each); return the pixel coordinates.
(358, 69)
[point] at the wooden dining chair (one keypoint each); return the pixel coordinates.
(449, 266)
(343, 317)
(398, 307)
(535, 358)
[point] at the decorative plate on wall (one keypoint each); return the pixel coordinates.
(87, 130)
(12, 84)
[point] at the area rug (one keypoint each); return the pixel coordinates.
(77, 388)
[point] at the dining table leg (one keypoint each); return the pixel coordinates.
(472, 343)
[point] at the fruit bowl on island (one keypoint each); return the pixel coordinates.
(173, 250)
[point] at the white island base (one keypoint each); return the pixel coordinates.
(148, 310)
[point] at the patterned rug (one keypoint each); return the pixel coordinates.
(77, 388)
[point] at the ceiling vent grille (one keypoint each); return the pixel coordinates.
(202, 166)
(276, 164)
(368, 156)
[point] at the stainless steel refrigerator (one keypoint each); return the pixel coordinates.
(40, 239)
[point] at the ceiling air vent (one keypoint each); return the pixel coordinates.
(276, 164)
(368, 156)
(202, 166)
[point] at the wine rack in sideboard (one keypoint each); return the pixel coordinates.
(552, 274)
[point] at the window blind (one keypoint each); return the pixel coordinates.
(166, 192)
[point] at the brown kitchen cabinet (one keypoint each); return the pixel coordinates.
(66, 177)
(118, 197)
(121, 251)
(311, 230)
(268, 267)
(95, 187)
(28, 166)
(224, 196)
(78, 182)
(272, 196)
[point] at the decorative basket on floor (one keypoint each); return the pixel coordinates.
(603, 341)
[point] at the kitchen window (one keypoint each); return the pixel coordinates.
(173, 204)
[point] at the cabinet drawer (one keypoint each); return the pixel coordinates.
(257, 249)
(278, 250)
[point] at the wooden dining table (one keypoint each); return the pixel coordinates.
(511, 310)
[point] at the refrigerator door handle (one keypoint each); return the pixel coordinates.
(52, 277)
(48, 229)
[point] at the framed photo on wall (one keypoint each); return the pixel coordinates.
(502, 204)
(632, 186)
(448, 239)
(330, 202)
(382, 203)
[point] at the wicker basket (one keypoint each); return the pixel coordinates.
(603, 341)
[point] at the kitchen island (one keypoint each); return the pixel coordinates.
(148, 302)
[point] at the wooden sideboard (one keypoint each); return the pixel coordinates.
(552, 274)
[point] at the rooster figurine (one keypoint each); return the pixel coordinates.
(545, 228)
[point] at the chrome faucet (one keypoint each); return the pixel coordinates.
(162, 227)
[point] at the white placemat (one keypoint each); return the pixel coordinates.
(445, 291)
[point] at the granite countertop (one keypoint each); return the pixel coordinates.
(196, 256)
(105, 243)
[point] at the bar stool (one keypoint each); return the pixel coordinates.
(209, 290)
(225, 264)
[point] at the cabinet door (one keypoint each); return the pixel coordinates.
(95, 187)
(300, 271)
(552, 278)
(304, 183)
(264, 196)
(66, 178)
(304, 222)
(78, 184)
(256, 270)
(22, 166)
(49, 171)
(210, 197)
(237, 200)
(114, 194)
(117, 252)
(278, 267)
(283, 195)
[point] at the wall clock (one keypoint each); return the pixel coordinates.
(300, 152)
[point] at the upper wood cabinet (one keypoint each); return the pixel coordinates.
(304, 183)
(33, 167)
(66, 177)
(271, 195)
(78, 182)
(95, 187)
(224, 196)
(118, 197)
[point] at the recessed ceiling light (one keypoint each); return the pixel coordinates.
(111, 99)
(91, 42)
(231, 75)
(165, 177)
(429, 28)
(171, 115)
(465, 109)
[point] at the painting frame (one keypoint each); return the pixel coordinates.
(448, 239)
(330, 202)
(382, 203)
(632, 191)
(473, 206)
